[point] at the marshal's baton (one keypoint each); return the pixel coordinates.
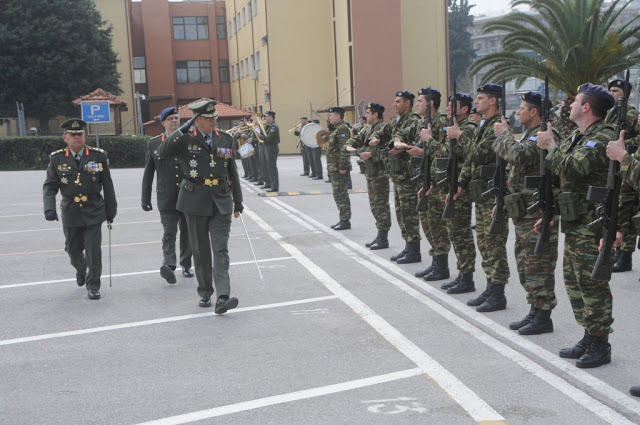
(109, 227)
(237, 214)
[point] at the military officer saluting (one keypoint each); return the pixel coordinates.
(208, 195)
(167, 188)
(81, 173)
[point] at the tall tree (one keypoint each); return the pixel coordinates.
(461, 52)
(51, 52)
(575, 42)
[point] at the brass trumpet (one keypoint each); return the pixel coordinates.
(297, 127)
(257, 121)
(238, 129)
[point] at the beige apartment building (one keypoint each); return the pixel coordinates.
(298, 58)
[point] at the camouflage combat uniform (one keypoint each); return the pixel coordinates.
(338, 159)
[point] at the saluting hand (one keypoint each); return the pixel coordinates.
(453, 131)
(616, 149)
(501, 127)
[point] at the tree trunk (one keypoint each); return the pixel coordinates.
(563, 125)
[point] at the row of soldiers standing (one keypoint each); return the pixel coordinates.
(386, 152)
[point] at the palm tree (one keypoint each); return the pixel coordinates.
(574, 40)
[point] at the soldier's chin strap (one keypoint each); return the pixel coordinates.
(236, 215)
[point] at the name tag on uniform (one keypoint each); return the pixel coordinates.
(591, 144)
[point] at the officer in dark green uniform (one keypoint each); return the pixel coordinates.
(167, 188)
(81, 172)
(209, 193)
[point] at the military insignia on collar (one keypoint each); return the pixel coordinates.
(193, 173)
(64, 180)
(193, 163)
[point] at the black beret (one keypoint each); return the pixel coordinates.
(620, 84)
(405, 94)
(375, 107)
(304, 118)
(599, 93)
(206, 108)
(474, 111)
(435, 93)
(491, 88)
(74, 125)
(462, 97)
(271, 113)
(337, 110)
(533, 98)
(171, 110)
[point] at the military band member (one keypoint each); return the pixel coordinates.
(261, 151)
(581, 162)
(238, 140)
(316, 158)
(81, 173)
(631, 129)
(254, 160)
(459, 227)
(401, 171)
(492, 247)
(536, 272)
(208, 196)
(170, 176)
(271, 141)
(372, 162)
(305, 152)
(339, 165)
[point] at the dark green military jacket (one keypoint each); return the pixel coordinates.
(631, 126)
(169, 176)
(479, 152)
(80, 185)
(338, 157)
(272, 138)
(211, 179)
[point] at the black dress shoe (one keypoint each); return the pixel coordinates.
(328, 181)
(635, 391)
(224, 304)
(94, 294)
(187, 272)
(272, 190)
(245, 177)
(205, 302)
(318, 178)
(258, 183)
(253, 180)
(168, 274)
(266, 187)
(311, 176)
(80, 279)
(304, 174)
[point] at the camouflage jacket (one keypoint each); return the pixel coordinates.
(479, 152)
(631, 126)
(361, 142)
(393, 130)
(337, 156)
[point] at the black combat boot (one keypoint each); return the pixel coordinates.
(426, 271)
(598, 353)
(577, 350)
(624, 262)
(474, 302)
(343, 225)
(381, 241)
(440, 270)
(413, 254)
(452, 283)
(496, 301)
(525, 320)
(368, 244)
(541, 324)
(635, 391)
(401, 253)
(465, 284)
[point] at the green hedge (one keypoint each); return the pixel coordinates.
(32, 153)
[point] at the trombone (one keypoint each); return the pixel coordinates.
(297, 127)
(257, 122)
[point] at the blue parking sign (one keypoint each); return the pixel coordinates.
(96, 111)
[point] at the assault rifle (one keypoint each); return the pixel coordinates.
(544, 201)
(452, 163)
(499, 186)
(608, 196)
(425, 166)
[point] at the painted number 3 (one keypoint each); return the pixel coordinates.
(395, 406)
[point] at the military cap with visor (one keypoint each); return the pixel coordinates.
(74, 125)
(206, 108)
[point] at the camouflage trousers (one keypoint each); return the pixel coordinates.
(590, 299)
(461, 235)
(378, 188)
(629, 242)
(340, 187)
(536, 272)
(492, 247)
(434, 226)
(405, 197)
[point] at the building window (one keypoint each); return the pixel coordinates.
(239, 22)
(252, 64)
(241, 69)
(235, 27)
(255, 7)
(237, 72)
(244, 16)
(139, 70)
(263, 40)
(246, 66)
(266, 96)
(479, 46)
(191, 28)
(221, 28)
(249, 14)
(493, 43)
(223, 65)
(230, 31)
(257, 60)
(193, 71)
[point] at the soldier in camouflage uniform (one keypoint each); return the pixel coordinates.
(459, 227)
(372, 163)
(581, 162)
(631, 130)
(492, 247)
(401, 172)
(339, 165)
(536, 272)
(410, 138)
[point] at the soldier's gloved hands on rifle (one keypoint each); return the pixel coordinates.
(501, 127)
(51, 215)
(616, 243)
(545, 139)
(146, 206)
(453, 131)
(374, 142)
(616, 149)
(238, 208)
(538, 226)
(186, 126)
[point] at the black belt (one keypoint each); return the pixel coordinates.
(208, 182)
(83, 198)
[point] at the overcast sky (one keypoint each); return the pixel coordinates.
(490, 7)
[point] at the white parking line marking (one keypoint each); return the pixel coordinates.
(115, 226)
(284, 398)
(157, 321)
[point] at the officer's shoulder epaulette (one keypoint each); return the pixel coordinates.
(58, 151)
(91, 148)
(155, 137)
(225, 132)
